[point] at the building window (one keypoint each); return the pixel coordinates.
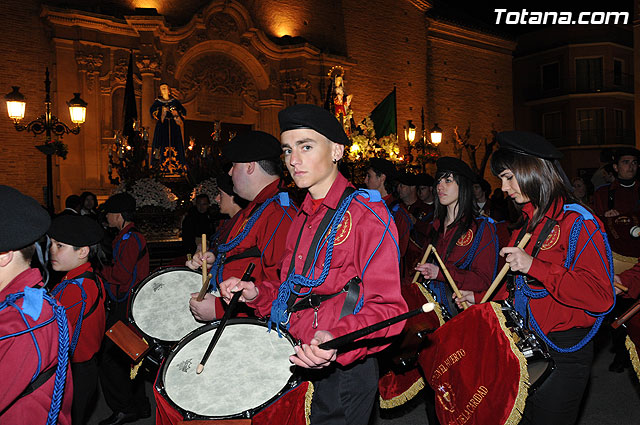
(589, 74)
(552, 126)
(617, 72)
(590, 123)
(619, 127)
(550, 76)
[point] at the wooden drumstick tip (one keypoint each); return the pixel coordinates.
(199, 369)
(427, 307)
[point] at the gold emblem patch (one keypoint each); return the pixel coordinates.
(344, 229)
(445, 396)
(552, 239)
(465, 239)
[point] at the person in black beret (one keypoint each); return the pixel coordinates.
(380, 176)
(621, 196)
(29, 353)
(125, 397)
(561, 281)
(407, 190)
(345, 384)
(466, 241)
(76, 250)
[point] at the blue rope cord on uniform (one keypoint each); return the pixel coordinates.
(523, 293)
(218, 264)
(63, 347)
(83, 303)
(279, 314)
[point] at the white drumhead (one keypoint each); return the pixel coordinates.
(247, 367)
(161, 306)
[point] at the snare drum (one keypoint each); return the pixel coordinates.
(248, 369)
(160, 307)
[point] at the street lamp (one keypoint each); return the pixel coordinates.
(436, 135)
(410, 132)
(47, 124)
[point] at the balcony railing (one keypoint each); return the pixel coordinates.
(610, 83)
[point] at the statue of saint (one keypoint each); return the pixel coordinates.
(168, 113)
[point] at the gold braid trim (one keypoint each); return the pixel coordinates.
(430, 299)
(308, 397)
(633, 353)
(523, 387)
(401, 399)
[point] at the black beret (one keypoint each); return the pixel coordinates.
(315, 118)
(252, 146)
(225, 183)
(76, 230)
(120, 202)
(626, 151)
(22, 220)
(528, 143)
(448, 164)
(425, 179)
(384, 166)
(407, 179)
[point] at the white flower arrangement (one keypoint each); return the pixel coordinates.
(208, 187)
(150, 192)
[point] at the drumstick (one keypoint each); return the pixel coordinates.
(627, 315)
(621, 287)
(205, 275)
(352, 336)
(504, 270)
(465, 305)
(424, 260)
(223, 322)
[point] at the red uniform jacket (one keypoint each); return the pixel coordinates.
(93, 326)
(403, 221)
(586, 287)
(356, 240)
(120, 275)
(631, 279)
(626, 199)
(19, 360)
(268, 234)
(479, 275)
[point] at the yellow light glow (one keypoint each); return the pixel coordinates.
(355, 148)
(283, 28)
(16, 110)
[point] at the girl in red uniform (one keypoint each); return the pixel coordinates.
(466, 241)
(75, 249)
(562, 283)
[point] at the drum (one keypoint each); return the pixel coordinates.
(248, 369)
(159, 308)
(482, 364)
(619, 234)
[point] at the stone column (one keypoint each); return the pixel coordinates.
(268, 120)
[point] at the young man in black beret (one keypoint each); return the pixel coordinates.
(622, 197)
(125, 397)
(256, 234)
(75, 249)
(30, 365)
(356, 286)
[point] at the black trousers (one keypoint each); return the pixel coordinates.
(120, 392)
(85, 386)
(344, 395)
(558, 399)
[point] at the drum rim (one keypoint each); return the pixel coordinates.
(293, 381)
(136, 291)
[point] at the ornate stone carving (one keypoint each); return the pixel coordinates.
(220, 84)
(89, 62)
(183, 46)
(221, 26)
(120, 71)
(148, 64)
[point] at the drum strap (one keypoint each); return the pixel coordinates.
(352, 288)
(40, 381)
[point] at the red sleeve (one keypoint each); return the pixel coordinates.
(587, 285)
(71, 300)
(631, 279)
(401, 217)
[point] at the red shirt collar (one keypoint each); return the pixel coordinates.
(78, 271)
(267, 192)
(29, 277)
(554, 212)
(333, 196)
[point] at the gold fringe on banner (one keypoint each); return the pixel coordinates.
(430, 299)
(401, 399)
(523, 387)
(308, 397)
(633, 353)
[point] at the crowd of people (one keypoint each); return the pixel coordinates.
(325, 267)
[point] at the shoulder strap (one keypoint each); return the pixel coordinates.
(37, 383)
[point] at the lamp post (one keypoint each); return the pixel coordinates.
(47, 124)
(436, 135)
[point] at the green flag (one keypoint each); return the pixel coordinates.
(384, 116)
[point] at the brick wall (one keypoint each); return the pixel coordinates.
(24, 54)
